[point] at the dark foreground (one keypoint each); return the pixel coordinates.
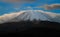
(30, 28)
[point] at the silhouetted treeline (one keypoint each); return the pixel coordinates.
(29, 26)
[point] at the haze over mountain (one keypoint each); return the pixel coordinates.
(30, 15)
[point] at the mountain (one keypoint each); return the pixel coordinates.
(30, 21)
(30, 15)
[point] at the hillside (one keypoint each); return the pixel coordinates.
(29, 27)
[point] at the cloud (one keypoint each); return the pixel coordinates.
(11, 16)
(52, 6)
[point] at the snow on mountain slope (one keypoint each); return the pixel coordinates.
(30, 15)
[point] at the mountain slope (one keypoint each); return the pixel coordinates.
(30, 27)
(38, 15)
(30, 15)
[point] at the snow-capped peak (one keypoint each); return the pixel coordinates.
(30, 15)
